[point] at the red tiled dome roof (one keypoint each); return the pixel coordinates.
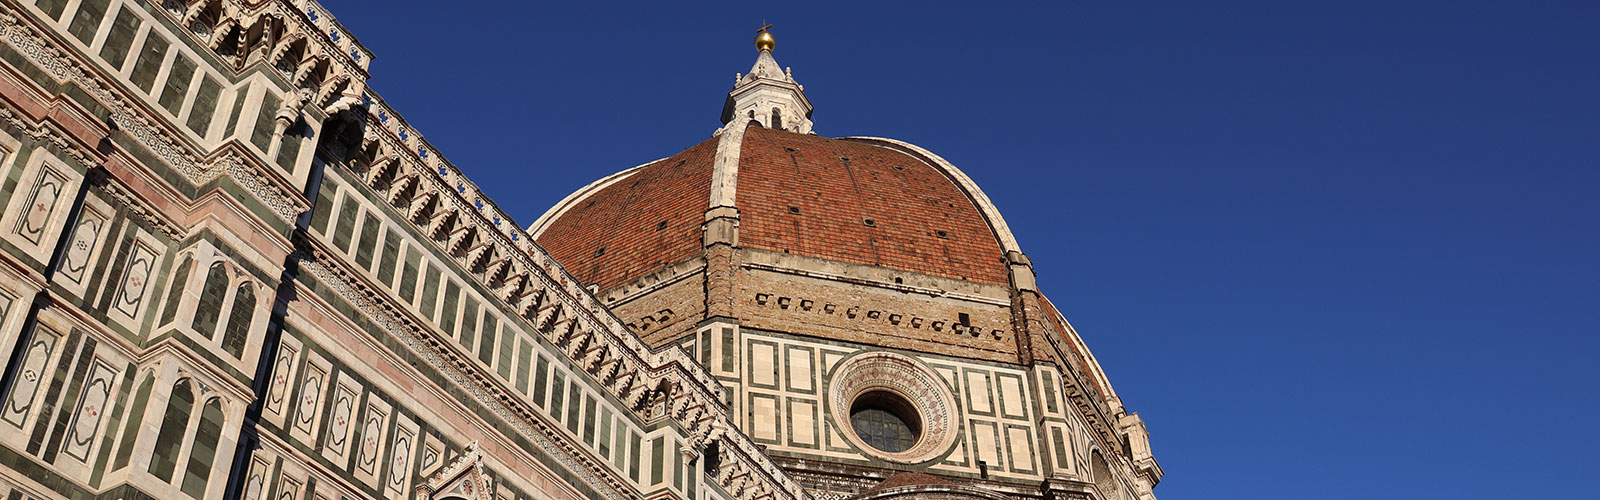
(645, 219)
(839, 199)
(863, 204)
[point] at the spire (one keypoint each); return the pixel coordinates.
(768, 94)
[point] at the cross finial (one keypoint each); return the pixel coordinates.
(764, 39)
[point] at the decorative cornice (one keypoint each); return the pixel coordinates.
(898, 287)
(458, 368)
(539, 289)
(131, 116)
(463, 477)
(110, 185)
(259, 179)
(140, 208)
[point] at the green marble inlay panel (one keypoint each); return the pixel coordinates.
(52, 8)
(177, 88)
(503, 362)
(369, 241)
(123, 27)
(87, 20)
(343, 231)
(491, 325)
(430, 291)
(151, 56)
(408, 276)
(205, 105)
(261, 133)
(391, 251)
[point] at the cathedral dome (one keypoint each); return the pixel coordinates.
(862, 201)
(862, 292)
(767, 182)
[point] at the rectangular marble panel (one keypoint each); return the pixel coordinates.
(986, 444)
(255, 481)
(370, 441)
(1012, 396)
(802, 422)
(32, 374)
(397, 481)
(764, 423)
(275, 406)
(308, 402)
(345, 403)
(763, 364)
(800, 367)
(978, 392)
(1019, 447)
(99, 389)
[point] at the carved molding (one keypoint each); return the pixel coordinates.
(688, 385)
(461, 370)
(462, 478)
(135, 204)
(166, 144)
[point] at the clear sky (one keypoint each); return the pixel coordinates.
(1338, 251)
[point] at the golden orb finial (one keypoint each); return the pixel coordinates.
(764, 40)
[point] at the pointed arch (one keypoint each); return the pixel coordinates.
(174, 425)
(426, 204)
(203, 18)
(330, 88)
(312, 72)
(262, 35)
(402, 191)
(130, 432)
(237, 330)
(289, 52)
(175, 7)
(209, 310)
(226, 38)
(204, 450)
(180, 279)
(1103, 480)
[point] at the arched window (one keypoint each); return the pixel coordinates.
(174, 425)
(141, 402)
(175, 291)
(204, 450)
(238, 328)
(210, 307)
(777, 119)
(1103, 478)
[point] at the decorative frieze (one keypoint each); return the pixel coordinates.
(167, 144)
(454, 215)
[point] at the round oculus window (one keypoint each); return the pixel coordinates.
(885, 421)
(895, 408)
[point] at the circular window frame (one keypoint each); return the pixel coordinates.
(903, 377)
(903, 411)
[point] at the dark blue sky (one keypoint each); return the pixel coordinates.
(1341, 251)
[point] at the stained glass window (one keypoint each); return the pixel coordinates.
(885, 421)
